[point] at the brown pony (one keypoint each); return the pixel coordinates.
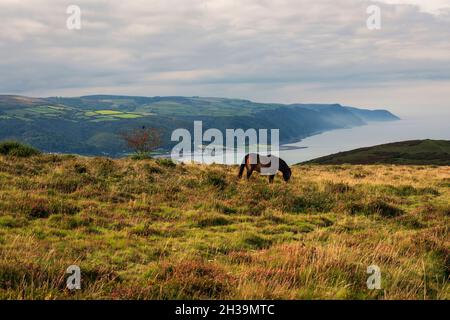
(263, 164)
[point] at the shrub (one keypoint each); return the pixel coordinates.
(16, 149)
(142, 141)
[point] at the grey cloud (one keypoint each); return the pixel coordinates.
(254, 49)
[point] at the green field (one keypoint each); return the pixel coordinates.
(108, 112)
(71, 113)
(111, 115)
(214, 107)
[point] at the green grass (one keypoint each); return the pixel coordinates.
(153, 229)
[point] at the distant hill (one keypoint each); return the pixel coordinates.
(415, 152)
(90, 125)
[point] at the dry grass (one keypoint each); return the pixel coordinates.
(153, 230)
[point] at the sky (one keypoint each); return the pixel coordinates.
(286, 51)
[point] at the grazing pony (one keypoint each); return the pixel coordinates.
(266, 165)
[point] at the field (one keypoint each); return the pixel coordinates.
(155, 230)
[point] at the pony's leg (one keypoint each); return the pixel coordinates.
(249, 172)
(241, 170)
(271, 177)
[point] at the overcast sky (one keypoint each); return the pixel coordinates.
(264, 50)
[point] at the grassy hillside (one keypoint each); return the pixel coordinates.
(415, 152)
(154, 230)
(92, 125)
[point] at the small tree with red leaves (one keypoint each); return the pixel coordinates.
(142, 141)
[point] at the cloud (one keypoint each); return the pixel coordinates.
(435, 7)
(277, 50)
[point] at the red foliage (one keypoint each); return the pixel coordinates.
(142, 141)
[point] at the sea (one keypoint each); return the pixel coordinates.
(330, 142)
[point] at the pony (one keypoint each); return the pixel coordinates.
(263, 164)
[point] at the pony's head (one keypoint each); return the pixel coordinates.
(287, 173)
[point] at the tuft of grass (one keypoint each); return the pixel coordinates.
(254, 241)
(216, 179)
(168, 163)
(377, 206)
(36, 208)
(212, 220)
(9, 221)
(193, 279)
(409, 190)
(383, 209)
(313, 202)
(337, 188)
(141, 156)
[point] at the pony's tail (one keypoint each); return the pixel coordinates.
(242, 167)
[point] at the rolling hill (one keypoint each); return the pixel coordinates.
(90, 125)
(415, 152)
